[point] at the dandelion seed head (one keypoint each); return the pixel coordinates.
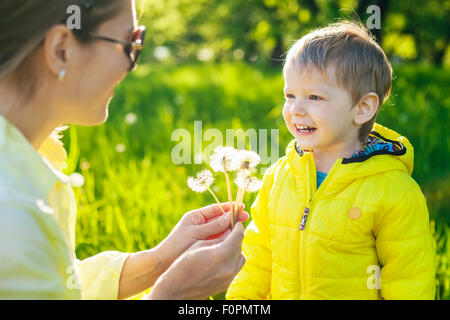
(85, 164)
(201, 183)
(120, 148)
(245, 182)
(241, 181)
(161, 53)
(131, 118)
(223, 159)
(254, 184)
(205, 54)
(195, 186)
(246, 160)
(76, 180)
(246, 172)
(205, 177)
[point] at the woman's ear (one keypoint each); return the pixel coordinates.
(366, 108)
(58, 47)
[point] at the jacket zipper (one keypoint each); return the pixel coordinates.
(308, 208)
(307, 211)
(309, 199)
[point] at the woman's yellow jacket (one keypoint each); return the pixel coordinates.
(37, 227)
(367, 234)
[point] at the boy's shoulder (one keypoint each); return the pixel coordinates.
(395, 178)
(277, 170)
(393, 186)
(283, 165)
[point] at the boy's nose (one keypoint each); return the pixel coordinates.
(298, 108)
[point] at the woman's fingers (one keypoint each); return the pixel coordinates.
(214, 210)
(240, 263)
(222, 235)
(214, 227)
(206, 243)
(232, 245)
(210, 264)
(234, 239)
(219, 226)
(243, 216)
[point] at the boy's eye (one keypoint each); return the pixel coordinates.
(314, 97)
(290, 96)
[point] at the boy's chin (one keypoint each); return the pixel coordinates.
(304, 146)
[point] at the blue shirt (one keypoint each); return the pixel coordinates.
(320, 177)
(373, 144)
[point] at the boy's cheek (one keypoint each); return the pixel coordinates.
(286, 117)
(288, 125)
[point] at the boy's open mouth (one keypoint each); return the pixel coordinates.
(304, 129)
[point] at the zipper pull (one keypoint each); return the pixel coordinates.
(304, 217)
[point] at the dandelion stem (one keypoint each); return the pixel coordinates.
(232, 213)
(239, 198)
(230, 198)
(217, 200)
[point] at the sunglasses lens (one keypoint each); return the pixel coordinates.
(138, 40)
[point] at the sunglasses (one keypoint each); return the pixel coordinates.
(131, 48)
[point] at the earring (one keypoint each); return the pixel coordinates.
(62, 75)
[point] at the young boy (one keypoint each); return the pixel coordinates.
(339, 217)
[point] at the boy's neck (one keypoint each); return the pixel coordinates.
(324, 159)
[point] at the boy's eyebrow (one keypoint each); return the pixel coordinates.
(319, 89)
(308, 88)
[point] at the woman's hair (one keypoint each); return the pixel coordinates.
(25, 23)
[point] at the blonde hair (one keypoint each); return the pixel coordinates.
(360, 64)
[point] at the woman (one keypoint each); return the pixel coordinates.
(51, 75)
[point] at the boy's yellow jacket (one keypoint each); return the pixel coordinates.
(367, 228)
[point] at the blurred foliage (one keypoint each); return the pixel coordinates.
(134, 194)
(262, 30)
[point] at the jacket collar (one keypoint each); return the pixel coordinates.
(34, 171)
(399, 156)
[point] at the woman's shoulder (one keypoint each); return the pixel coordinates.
(35, 257)
(25, 216)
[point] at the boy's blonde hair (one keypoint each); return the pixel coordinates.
(360, 64)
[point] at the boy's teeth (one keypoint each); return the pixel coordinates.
(303, 127)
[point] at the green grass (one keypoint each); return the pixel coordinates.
(131, 200)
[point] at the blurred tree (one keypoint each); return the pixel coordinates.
(425, 26)
(362, 12)
(262, 30)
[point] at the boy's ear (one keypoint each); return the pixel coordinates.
(366, 108)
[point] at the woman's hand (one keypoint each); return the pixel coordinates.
(201, 224)
(205, 269)
(142, 269)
